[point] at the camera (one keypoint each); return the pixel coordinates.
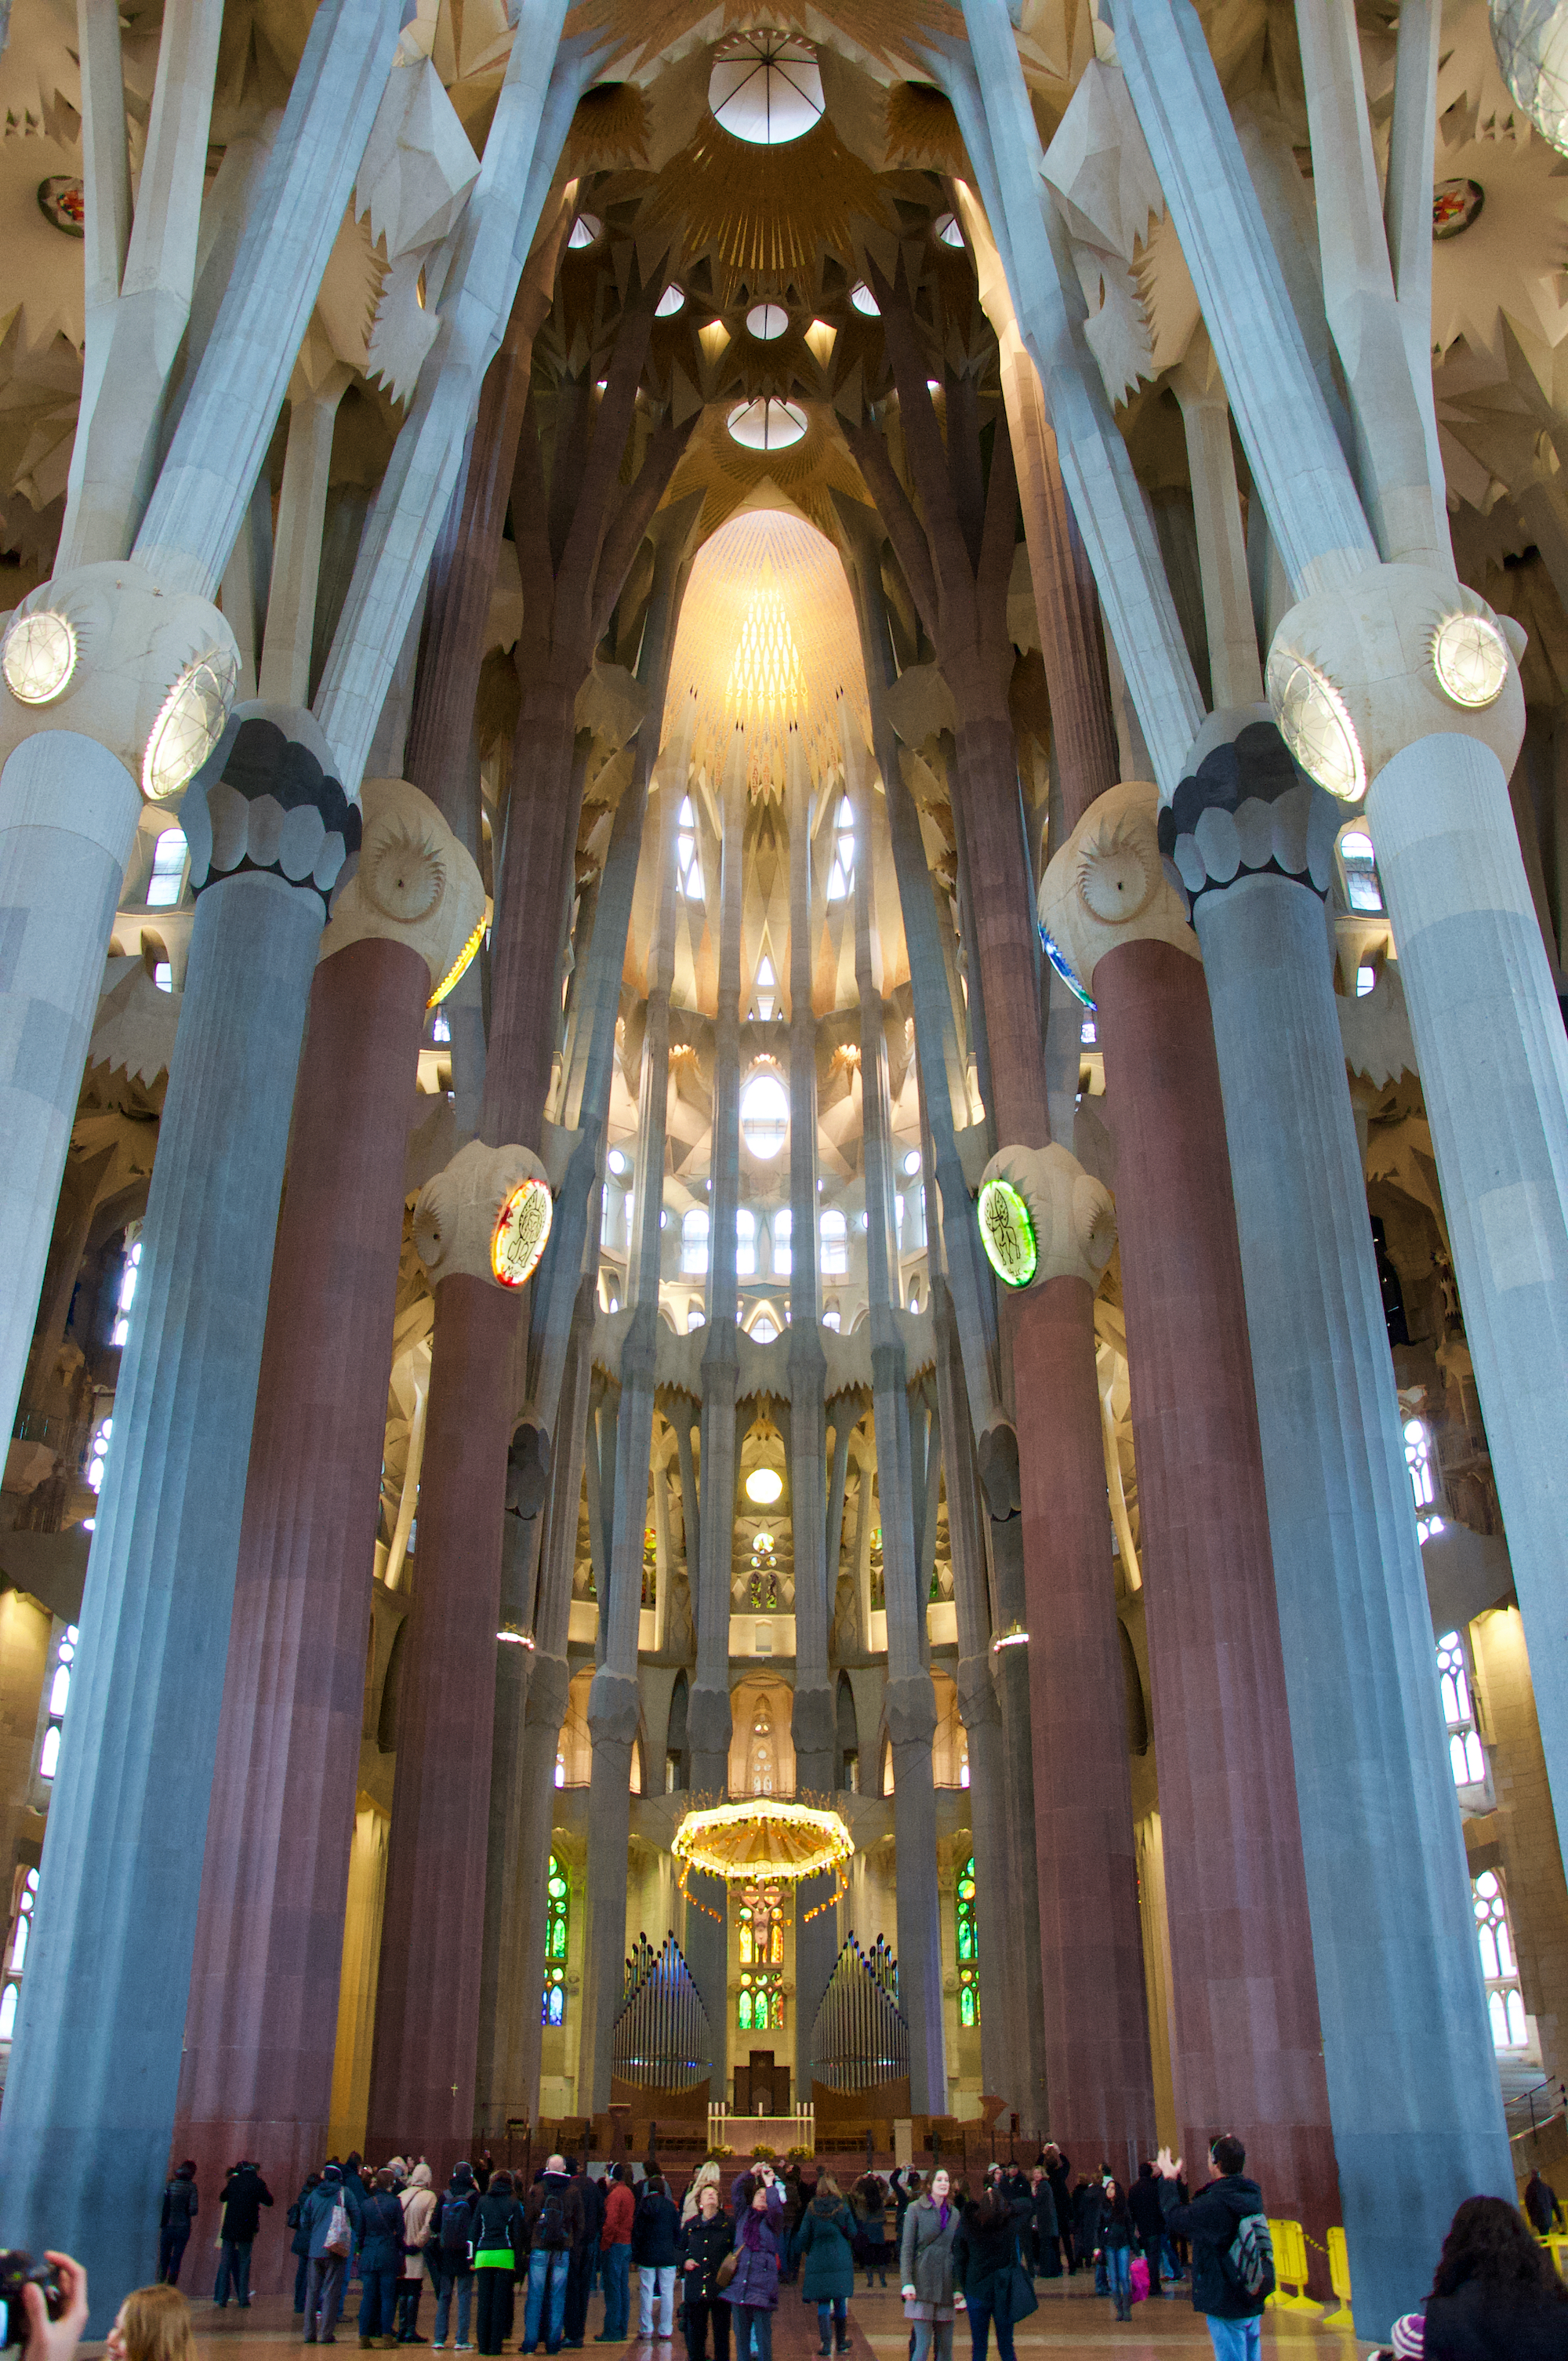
(15, 2270)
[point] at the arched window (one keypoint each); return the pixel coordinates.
(967, 1945)
(745, 1243)
(764, 1599)
(835, 1232)
(129, 1268)
(841, 871)
(1499, 1964)
(764, 1327)
(163, 887)
(688, 861)
(21, 1933)
(1423, 1476)
(1464, 1749)
(693, 1241)
(764, 1115)
(557, 1932)
(59, 1694)
(1362, 890)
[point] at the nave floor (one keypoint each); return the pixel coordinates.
(1071, 2325)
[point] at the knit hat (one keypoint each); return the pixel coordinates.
(1410, 2337)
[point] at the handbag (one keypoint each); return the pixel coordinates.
(1021, 2296)
(1138, 2279)
(336, 2241)
(727, 2268)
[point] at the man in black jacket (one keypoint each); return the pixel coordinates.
(554, 2226)
(1233, 2314)
(1058, 2172)
(180, 2207)
(579, 2276)
(245, 2194)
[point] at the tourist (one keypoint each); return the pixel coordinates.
(926, 2267)
(300, 2244)
(418, 2201)
(1088, 2213)
(1146, 2203)
(1057, 2169)
(615, 2249)
(330, 2219)
(450, 2253)
(1232, 2308)
(555, 2212)
(1047, 2240)
(653, 2228)
(180, 2207)
(580, 2272)
(869, 2198)
(1540, 2204)
(706, 2176)
(704, 2241)
(986, 2255)
(1495, 2294)
(1118, 2237)
(245, 2193)
(754, 2289)
(500, 2255)
(153, 2325)
(381, 2263)
(826, 2244)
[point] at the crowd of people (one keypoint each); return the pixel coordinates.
(719, 2258)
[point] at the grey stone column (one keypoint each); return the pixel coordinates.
(96, 2063)
(910, 1701)
(613, 1700)
(812, 1725)
(1412, 2077)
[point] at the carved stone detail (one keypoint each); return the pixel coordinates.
(264, 801)
(415, 883)
(1247, 809)
(1074, 1216)
(456, 1213)
(1107, 884)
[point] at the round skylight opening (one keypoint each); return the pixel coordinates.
(1315, 723)
(1470, 657)
(766, 89)
(766, 321)
(672, 301)
(945, 227)
(1531, 42)
(767, 425)
(764, 1486)
(586, 230)
(190, 722)
(38, 657)
(864, 301)
(764, 1115)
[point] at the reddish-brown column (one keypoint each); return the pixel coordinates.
(1096, 2041)
(262, 2017)
(1248, 2054)
(427, 2003)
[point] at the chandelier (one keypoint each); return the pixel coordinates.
(766, 1839)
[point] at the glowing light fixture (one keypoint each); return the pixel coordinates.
(764, 1486)
(1470, 657)
(1530, 38)
(521, 1231)
(766, 89)
(865, 302)
(458, 967)
(912, 1163)
(1315, 723)
(38, 657)
(585, 229)
(1058, 958)
(766, 425)
(672, 301)
(1007, 1233)
(768, 1838)
(766, 321)
(190, 722)
(1014, 1637)
(517, 1639)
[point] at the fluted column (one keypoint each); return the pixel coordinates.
(614, 1698)
(1411, 2070)
(256, 2073)
(96, 2057)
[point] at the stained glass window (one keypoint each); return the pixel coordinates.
(557, 1936)
(1466, 1753)
(59, 1693)
(1423, 1476)
(968, 1942)
(21, 1931)
(1499, 1964)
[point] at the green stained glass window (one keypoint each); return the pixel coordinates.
(557, 1933)
(967, 1940)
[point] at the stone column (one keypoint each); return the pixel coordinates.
(315, 392)
(910, 1703)
(1408, 2049)
(614, 1701)
(423, 2064)
(1236, 1882)
(257, 2070)
(96, 2059)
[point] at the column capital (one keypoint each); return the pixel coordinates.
(1247, 809)
(415, 884)
(100, 650)
(1108, 885)
(909, 1709)
(1401, 652)
(264, 801)
(1071, 1214)
(615, 1708)
(486, 1215)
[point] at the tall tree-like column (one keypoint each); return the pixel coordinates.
(909, 1699)
(96, 2059)
(614, 1700)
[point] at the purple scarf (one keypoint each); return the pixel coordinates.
(942, 2211)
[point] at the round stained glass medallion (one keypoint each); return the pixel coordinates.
(1007, 1233)
(38, 657)
(1315, 723)
(1470, 657)
(190, 722)
(521, 1232)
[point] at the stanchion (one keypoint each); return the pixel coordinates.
(1339, 2278)
(1291, 2270)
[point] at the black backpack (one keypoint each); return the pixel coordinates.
(552, 2234)
(456, 2224)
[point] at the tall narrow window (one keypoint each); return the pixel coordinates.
(558, 1930)
(1465, 1749)
(1362, 890)
(688, 861)
(27, 1894)
(745, 1243)
(967, 1943)
(767, 988)
(58, 1697)
(784, 1220)
(841, 870)
(1499, 1964)
(834, 1244)
(693, 1242)
(128, 1269)
(163, 887)
(1423, 1476)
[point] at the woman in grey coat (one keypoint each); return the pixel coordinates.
(926, 2269)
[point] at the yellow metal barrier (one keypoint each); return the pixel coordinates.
(1339, 2274)
(1556, 2244)
(1291, 2270)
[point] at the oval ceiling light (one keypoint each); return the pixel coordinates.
(766, 321)
(1315, 723)
(38, 657)
(864, 301)
(945, 227)
(1470, 657)
(585, 229)
(1530, 38)
(190, 722)
(672, 301)
(766, 89)
(764, 1486)
(766, 425)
